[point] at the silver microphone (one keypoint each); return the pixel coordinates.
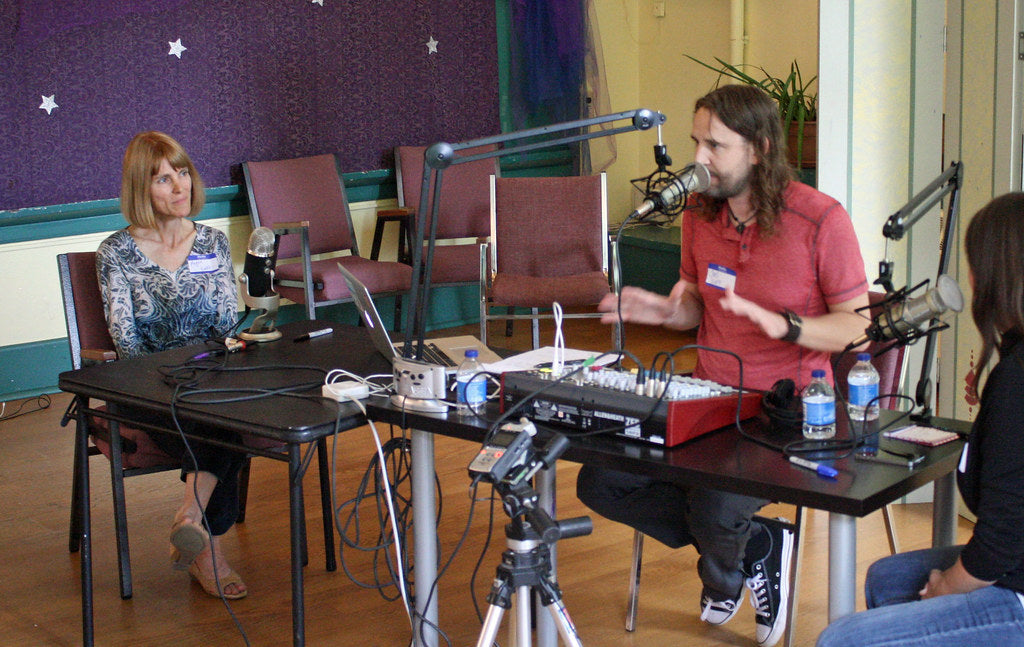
(694, 178)
(259, 262)
(908, 319)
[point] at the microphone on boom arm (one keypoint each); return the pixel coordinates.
(905, 320)
(666, 192)
(256, 283)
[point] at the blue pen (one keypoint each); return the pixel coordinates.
(822, 470)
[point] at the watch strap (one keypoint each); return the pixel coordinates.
(795, 324)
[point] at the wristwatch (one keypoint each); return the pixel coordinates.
(794, 322)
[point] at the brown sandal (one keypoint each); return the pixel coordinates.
(209, 584)
(188, 539)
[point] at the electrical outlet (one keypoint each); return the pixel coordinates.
(659, 8)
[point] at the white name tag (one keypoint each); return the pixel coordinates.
(202, 263)
(720, 277)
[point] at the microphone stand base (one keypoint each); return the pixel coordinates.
(260, 337)
(418, 404)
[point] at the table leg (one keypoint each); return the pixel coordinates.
(842, 565)
(82, 456)
(547, 632)
(944, 511)
(296, 514)
(424, 538)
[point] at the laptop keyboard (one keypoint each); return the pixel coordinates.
(434, 355)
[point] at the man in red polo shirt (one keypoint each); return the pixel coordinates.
(771, 270)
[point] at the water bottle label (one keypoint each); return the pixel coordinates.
(473, 392)
(820, 413)
(862, 394)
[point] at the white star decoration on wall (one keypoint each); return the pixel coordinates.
(431, 46)
(319, 2)
(176, 48)
(48, 104)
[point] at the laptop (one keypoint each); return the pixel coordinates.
(443, 351)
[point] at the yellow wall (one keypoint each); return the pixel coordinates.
(647, 68)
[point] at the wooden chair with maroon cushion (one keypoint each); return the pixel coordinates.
(89, 341)
(549, 243)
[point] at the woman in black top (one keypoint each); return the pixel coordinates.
(971, 594)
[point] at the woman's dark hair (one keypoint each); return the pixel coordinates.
(751, 113)
(995, 252)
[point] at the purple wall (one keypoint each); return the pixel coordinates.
(259, 79)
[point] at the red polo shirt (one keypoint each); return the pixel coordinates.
(812, 261)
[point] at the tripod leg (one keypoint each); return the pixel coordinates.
(524, 621)
(492, 621)
(564, 623)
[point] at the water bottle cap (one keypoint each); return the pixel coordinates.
(818, 372)
(472, 352)
(863, 357)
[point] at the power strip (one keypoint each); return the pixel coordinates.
(346, 390)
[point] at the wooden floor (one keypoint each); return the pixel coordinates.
(39, 578)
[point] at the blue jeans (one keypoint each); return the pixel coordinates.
(897, 616)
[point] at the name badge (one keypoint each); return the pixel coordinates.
(202, 263)
(720, 277)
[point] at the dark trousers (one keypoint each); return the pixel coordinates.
(222, 509)
(718, 524)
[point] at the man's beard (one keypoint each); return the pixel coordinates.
(726, 190)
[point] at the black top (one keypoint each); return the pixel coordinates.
(991, 479)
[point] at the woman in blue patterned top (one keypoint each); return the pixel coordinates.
(168, 282)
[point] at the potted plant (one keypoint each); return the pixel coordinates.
(798, 105)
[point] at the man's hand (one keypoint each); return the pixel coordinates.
(680, 310)
(771, 323)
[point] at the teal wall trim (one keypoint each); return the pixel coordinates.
(57, 221)
(30, 369)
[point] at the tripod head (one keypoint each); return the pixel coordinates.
(508, 460)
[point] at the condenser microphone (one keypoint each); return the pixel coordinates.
(257, 281)
(907, 319)
(694, 178)
(260, 257)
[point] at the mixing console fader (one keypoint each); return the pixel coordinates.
(610, 399)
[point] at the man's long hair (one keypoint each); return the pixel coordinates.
(754, 115)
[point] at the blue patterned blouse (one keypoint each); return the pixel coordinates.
(149, 308)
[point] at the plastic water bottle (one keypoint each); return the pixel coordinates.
(819, 403)
(470, 384)
(863, 389)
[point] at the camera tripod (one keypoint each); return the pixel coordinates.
(526, 567)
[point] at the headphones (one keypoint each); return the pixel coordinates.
(783, 406)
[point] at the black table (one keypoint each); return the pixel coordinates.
(295, 422)
(721, 459)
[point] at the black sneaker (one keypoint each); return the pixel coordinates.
(719, 612)
(769, 583)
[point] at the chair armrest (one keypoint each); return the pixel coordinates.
(98, 355)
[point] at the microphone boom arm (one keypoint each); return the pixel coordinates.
(947, 183)
(441, 155)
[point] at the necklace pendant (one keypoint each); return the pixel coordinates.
(740, 227)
